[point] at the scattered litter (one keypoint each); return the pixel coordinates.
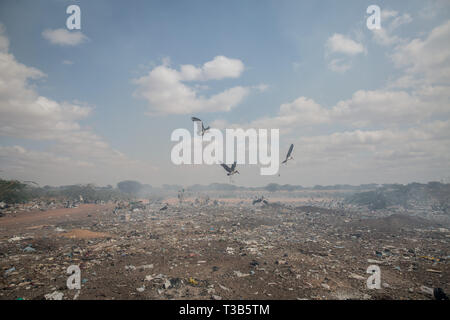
(29, 249)
(434, 271)
(10, 270)
(56, 295)
(326, 286)
(240, 274)
(14, 239)
(145, 267)
(357, 277)
(308, 244)
(141, 289)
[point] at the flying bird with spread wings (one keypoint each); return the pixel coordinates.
(201, 130)
(230, 171)
(288, 156)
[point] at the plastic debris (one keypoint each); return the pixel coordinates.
(55, 295)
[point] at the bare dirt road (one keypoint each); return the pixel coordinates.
(37, 217)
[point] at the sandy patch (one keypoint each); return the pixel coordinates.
(84, 234)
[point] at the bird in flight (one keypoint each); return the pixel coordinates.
(288, 156)
(230, 171)
(203, 129)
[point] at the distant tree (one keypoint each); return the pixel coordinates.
(287, 187)
(272, 187)
(13, 191)
(130, 187)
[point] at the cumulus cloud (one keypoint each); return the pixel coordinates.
(395, 132)
(19, 157)
(400, 20)
(383, 37)
(339, 43)
(425, 145)
(390, 20)
(382, 108)
(24, 114)
(427, 58)
(339, 65)
(344, 46)
(219, 68)
(64, 37)
(388, 14)
(166, 92)
(366, 108)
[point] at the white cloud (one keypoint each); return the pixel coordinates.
(387, 14)
(380, 135)
(390, 20)
(428, 58)
(19, 157)
(388, 155)
(346, 48)
(384, 38)
(166, 92)
(219, 68)
(400, 20)
(64, 37)
(261, 87)
(339, 43)
(339, 65)
(366, 108)
(381, 108)
(302, 112)
(24, 114)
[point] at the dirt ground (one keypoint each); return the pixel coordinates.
(228, 251)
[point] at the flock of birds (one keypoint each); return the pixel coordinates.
(232, 170)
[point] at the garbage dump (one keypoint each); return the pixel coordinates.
(306, 244)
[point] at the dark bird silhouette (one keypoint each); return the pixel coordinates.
(203, 129)
(288, 156)
(230, 171)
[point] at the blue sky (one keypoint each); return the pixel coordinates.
(363, 105)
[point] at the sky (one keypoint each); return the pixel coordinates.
(99, 104)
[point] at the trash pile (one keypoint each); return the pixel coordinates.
(222, 250)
